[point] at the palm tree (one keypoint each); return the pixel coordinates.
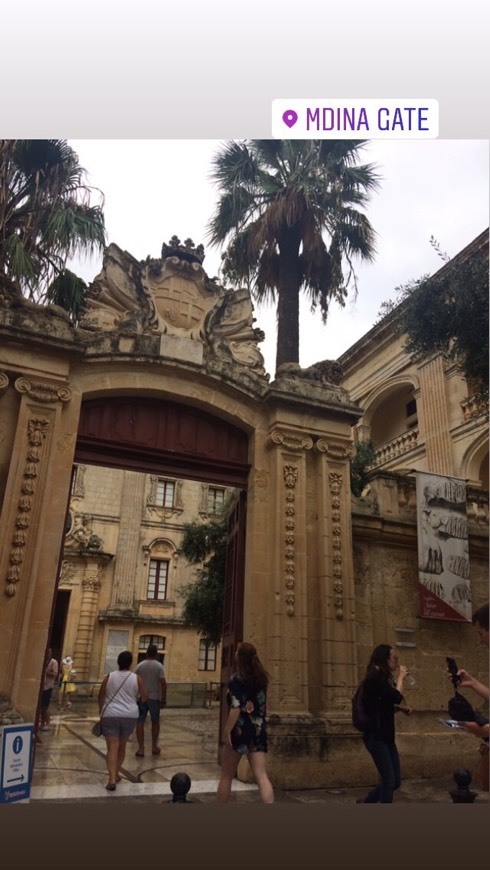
(289, 210)
(45, 214)
(68, 291)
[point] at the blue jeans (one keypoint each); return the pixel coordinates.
(387, 761)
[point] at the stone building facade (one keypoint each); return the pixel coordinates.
(163, 379)
(122, 573)
(418, 411)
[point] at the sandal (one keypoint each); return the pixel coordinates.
(139, 754)
(111, 786)
(156, 751)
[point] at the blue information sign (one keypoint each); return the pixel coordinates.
(16, 743)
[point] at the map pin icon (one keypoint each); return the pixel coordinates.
(290, 117)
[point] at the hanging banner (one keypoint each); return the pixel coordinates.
(444, 567)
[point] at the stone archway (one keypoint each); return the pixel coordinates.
(177, 356)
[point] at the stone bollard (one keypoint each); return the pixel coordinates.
(179, 786)
(462, 795)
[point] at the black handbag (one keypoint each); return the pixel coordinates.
(460, 709)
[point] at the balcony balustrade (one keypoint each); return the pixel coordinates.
(396, 447)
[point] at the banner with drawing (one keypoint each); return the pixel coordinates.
(444, 567)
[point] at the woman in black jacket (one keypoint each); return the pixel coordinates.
(381, 693)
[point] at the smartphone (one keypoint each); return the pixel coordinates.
(451, 723)
(453, 670)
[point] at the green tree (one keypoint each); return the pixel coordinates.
(204, 544)
(45, 217)
(289, 211)
(448, 313)
(363, 459)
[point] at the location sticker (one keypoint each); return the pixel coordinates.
(290, 117)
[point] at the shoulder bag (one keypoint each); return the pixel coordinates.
(97, 728)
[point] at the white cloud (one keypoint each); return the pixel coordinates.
(157, 188)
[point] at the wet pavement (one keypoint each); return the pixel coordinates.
(70, 766)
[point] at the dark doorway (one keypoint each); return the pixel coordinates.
(158, 436)
(233, 606)
(59, 622)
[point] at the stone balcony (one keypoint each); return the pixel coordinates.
(396, 447)
(393, 496)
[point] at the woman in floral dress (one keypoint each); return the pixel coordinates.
(245, 730)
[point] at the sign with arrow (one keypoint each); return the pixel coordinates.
(16, 743)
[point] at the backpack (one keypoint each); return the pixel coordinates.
(360, 718)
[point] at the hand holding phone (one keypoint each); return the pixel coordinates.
(453, 670)
(451, 723)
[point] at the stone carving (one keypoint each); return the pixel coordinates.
(68, 572)
(36, 434)
(182, 295)
(320, 380)
(43, 392)
(290, 473)
(186, 251)
(116, 293)
(335, 450)
(81, 535)
(335, 482)
(289, 440)
(173, 297)
(92, 584)
(231, 332)
(325, 373)
(4, 382)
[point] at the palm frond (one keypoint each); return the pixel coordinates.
(68, 291)
(45, 210)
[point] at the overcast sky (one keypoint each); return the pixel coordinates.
(157, 188)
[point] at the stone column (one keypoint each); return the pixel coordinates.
(289, 657)
(336, 580)
(91, 584)
(128, 549)
(434, 421)
(31, 528)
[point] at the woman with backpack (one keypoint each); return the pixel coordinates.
(381, 694)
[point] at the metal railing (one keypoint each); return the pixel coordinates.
(184, 694)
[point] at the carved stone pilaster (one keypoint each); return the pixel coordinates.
(43, 392)
(290, 473)
(335, 485)
(36, 434)
(90, 588)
